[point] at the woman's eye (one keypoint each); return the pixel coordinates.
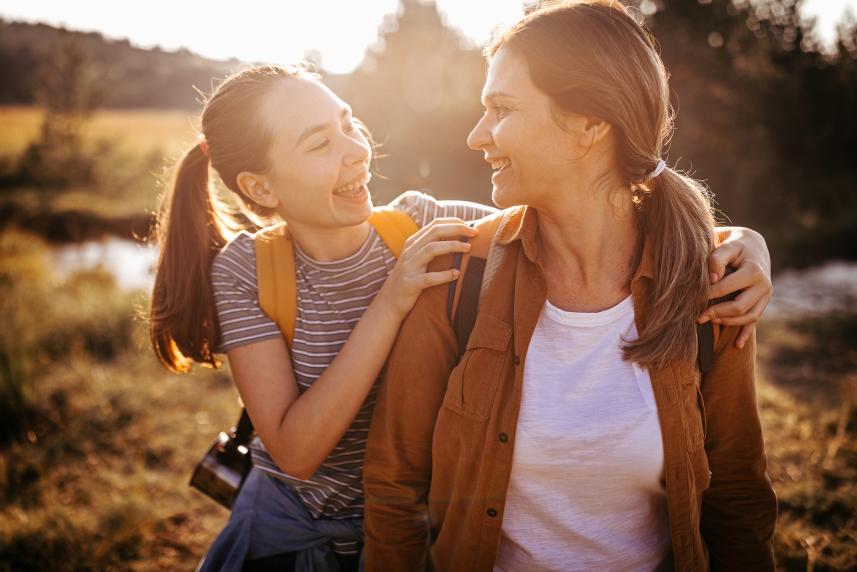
(501, 111)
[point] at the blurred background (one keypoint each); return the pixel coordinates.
(97, 102)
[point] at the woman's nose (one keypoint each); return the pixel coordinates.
(480, 136)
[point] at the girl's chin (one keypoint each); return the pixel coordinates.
(351, 212)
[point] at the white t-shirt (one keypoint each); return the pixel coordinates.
(586, 490)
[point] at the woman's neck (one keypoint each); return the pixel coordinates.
(329, 244)
(589, 243)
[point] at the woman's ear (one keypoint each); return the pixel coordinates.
(597, 130)
(257, 188)
(588, 131)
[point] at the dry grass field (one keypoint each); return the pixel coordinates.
(97, 441)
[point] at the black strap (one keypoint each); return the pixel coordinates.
(242, 433)
(705, 347)
(468, 300)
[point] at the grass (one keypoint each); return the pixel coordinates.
(132, 151)
(808, 399)
(94, 468)
(137, 131)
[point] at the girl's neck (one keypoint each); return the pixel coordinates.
(329, 244)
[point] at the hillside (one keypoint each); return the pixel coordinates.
(130, 76)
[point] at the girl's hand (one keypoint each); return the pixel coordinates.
(746, 251)
(409, 276)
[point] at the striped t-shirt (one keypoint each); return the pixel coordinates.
(332, 297)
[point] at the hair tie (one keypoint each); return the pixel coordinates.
(658, 170)
(203, 146)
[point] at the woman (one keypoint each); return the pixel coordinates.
(290, 150)
(575, 431)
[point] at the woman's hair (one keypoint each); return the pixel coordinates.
(193, 225)
(591, 57)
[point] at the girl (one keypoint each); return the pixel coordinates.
(291, 150)
(577, 431)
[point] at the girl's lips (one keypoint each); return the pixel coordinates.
(357, 194)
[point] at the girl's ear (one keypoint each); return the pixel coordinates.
(257, 189)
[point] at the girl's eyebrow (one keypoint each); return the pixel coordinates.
(309, 131)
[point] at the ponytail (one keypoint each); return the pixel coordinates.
(195, 224)
(190, 232)
(677, 221)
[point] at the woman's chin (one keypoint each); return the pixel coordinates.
(504, 197)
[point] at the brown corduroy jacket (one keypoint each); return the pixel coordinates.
(440, 447)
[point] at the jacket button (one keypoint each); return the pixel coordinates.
(492, 512)
(503, 438)
(517, 360)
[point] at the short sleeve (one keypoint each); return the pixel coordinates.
(236, 296)
(424, 208)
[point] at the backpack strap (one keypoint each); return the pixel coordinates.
(462, 304)
(394, 227)
(705, 334)
(275, 273)
(275, 264)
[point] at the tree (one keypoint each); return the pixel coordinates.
(67, 91)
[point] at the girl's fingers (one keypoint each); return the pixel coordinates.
(441, 229)
(720, 259)
(434, 249)
(743, 336)
(430, 279)
(747, 274)
(748, 318)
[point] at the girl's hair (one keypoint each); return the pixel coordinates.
(193, 225)
(591, 57)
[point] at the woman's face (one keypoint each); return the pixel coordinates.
(519, 135)
(319, 158)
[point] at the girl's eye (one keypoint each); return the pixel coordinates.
(321, 145)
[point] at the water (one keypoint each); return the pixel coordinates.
(829, 287)
(131, 263)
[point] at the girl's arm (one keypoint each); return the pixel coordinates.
(746, 251)
(739, 508)
(300, 430)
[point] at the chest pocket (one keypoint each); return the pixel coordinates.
(473, 383)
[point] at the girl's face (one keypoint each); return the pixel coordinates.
(520, 137)
(319, 158)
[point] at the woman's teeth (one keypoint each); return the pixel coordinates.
(500, 164)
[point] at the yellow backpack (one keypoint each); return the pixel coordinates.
(275, 264)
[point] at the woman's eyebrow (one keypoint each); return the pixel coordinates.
(494, 95)
(309, 131)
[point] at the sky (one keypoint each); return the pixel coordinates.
(339, 30)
